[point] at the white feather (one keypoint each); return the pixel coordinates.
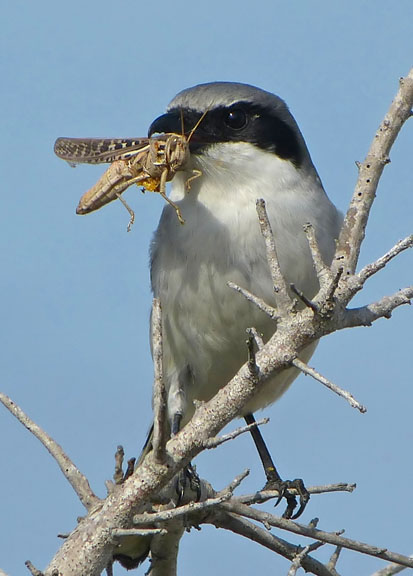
(204, 320)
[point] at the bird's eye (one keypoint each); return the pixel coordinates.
(236, 119)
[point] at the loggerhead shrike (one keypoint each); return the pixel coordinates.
(247, 146)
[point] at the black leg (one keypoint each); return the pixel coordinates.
(263, 452)
(176, 423)
(274, 479)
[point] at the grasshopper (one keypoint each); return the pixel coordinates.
(149, 162)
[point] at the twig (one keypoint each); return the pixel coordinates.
(282, 297)
(356, 283)
(118, 474)
(259, 302)
(323, 272)
(353, 230)
(383, 308)
(309, 303)
(380, 263)
(218, 440)
(233, 485)
(329, 537)
(33, 571)
(129, 469)
(264, 495)
(159, 392)
(330, 385)
(252, 363)
(334, 557)
(76, 479)
(331, 287)
(260, 535)
(192, 507)
(390, 569)
(253, 332)
(297, 562)
(118, 533)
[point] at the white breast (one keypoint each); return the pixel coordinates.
(204, 320)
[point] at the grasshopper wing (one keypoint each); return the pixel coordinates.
(99, 150)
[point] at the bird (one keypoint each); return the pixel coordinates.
(245, 145)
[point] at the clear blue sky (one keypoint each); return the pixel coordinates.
(75, 296)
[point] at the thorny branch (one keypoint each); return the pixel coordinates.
(88, 549)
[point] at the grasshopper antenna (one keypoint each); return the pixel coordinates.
(197, 124)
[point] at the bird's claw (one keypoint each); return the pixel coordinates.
(188, 478)
(284, 488)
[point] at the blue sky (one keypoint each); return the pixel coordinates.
(75, 295)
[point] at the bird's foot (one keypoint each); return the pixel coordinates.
(284, 488)
(188, 479)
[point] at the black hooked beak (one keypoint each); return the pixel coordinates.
(178, 122)
(169, 123)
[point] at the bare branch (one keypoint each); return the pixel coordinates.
(380, 263)
(334, 558)
(309, 303)
(264, 495)
(323, 271)
(118, 533)
(218, 440)
(252, 362)
(330, 385)
(192, 507)
(329, 537)
(159, 392)
(256, 336)
(164, 550)
(118, 474)
(390, 569)
(233, 485)
(330, 288)
(259, 302)
(356, 283)
(76, 479)
(32, 569)
(383, 308)
(262, 536)
(282, 296)
(353, 231)
(297, 562)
